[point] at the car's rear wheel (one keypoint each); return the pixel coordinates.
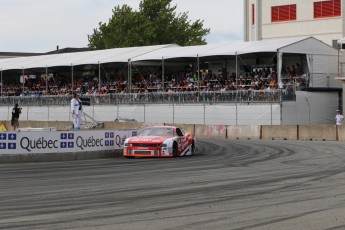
(174, 149)
(129, 157)
(193, 148)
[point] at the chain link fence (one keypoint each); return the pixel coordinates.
(215, 97)
(214, 108)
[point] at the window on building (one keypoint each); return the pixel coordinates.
(253, 14)
(327, 9)
(284, 13)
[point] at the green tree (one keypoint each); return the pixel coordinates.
(155, 23)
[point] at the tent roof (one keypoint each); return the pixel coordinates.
(298, 45)
(301, 45)
(177, 52)
(78, 58)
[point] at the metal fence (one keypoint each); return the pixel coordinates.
(212, 114)
(214, 97)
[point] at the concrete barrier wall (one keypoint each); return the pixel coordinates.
(211, 131)
(244, 132)
(232, 132)
(279, 132)
(317, 132)
(48, 157)
(341, 133)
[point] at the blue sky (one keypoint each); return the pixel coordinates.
(41, 25)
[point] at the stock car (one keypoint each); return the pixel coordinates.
(160, 141)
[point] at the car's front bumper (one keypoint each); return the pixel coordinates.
(131, 151)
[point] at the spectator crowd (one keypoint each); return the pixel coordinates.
(293, 78)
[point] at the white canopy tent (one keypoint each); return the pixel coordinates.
(317, 54)
(302, 45)
(98, 57)
(78, 58)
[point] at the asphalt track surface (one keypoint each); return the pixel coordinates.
(226, 185)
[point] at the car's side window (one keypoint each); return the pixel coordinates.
(179, 132)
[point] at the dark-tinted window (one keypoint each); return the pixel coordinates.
(327, 9)
(179, 132)
(283, 13)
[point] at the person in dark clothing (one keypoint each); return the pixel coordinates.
(16, 111)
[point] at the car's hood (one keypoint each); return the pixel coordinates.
(147, 139)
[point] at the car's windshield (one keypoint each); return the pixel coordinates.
(157, 131)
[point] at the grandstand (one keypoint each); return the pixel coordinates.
(267, 71)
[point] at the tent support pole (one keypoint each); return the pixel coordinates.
(163, 73)
(23, 79)
(236, 70)
(72, 78)
(99, 77)
(46, 80)
(129, 77)
(280, 83)
(226, 68)
(279, 69)
(338, 60)
(198, 61)
(1, 83)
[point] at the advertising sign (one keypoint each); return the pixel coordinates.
(62, 141)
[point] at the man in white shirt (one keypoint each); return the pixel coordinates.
(339, 118)
(77, 111)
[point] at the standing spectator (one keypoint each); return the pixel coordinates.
(339, 118)
(77, 111)
(16, 111)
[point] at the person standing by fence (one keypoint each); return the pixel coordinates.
(77, 111)
(339, 118)
(16, 111)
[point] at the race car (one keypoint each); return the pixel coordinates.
(160, 141)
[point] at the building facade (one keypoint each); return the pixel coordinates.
(322, 19)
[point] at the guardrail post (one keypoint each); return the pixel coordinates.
(173, 113)
(281, 106)
(272, 114)
(236, 112)
(204, 113)
(144, 112)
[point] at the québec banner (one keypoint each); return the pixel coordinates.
(62, 141)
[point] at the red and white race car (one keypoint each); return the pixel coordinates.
(160, 141)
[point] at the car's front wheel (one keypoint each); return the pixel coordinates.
(174, 149)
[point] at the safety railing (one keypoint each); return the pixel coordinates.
(214, 97)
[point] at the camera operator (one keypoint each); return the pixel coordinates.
(16, 111)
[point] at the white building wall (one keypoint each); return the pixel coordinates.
(324, 29)
(251, 30)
